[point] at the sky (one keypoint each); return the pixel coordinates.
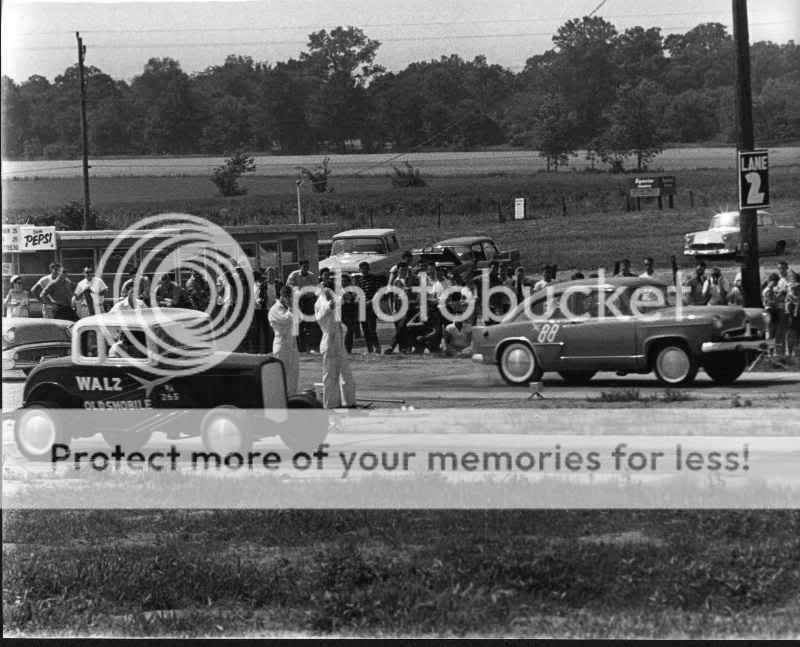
(38, 37)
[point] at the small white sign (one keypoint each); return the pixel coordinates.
(520, 208)
(10, 238)
(34, 239)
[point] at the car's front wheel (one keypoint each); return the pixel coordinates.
(674, 365)
(37, 429)
(725, 368)
(226, 430)
(518, 365)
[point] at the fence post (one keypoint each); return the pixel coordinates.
(563, 207)
(371, 217)
(439, 214)
(500, 217)
(691, 199)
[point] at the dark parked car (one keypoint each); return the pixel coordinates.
(230, 403)
(26, 342)
(470, 254)
(620, 324)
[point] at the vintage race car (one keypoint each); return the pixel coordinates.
(127, 397)
(621, 324)
(26, 342)
(722, 238)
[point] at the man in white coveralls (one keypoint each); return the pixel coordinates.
(284, 346)
(335, 365)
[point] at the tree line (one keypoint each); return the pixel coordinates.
(617, 95)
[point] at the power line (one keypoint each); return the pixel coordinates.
(597, 8)
(393, 25)
(399, 39)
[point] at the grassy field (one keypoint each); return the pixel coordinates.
(447, 573)
(576, 220)
(511, 573)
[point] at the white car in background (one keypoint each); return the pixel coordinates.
(378, 247)
(722, 238)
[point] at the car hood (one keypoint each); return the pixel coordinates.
(349, 262)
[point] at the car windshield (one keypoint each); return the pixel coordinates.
(173, 338)
(462, 251)
(358, 246)
(725, 220)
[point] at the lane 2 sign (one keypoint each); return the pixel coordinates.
(753, 179)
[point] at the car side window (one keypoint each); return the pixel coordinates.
(393, 244)
(765, 219)
(477, 252)
(89, 344)
(489, 250)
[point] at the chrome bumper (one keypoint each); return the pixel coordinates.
(709, 252)
(719, 346)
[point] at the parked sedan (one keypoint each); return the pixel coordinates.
(26, 342)
(722, 238)
(628, 325)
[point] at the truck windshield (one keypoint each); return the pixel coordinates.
(358, 246)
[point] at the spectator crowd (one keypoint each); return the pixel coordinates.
(275, 328)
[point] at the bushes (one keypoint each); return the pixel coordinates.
(226, 177)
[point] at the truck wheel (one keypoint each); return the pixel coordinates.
(129, 441)
(37, 429)
(725, 368)
(226, 430)
(674, 365)
(518, 365)
(304, 431)
(577, 378)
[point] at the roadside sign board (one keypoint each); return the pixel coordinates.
(28, 238)
(652, 186)
(753, 179)
(10, 238)
(520, 208)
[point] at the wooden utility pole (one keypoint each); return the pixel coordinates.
(87, 207)
(748, 219)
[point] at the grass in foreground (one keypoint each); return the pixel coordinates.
(556, 573)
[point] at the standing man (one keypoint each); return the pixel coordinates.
(55, 292)
(89, 294)
(718, 288)
(308, 337)
(699, 287)
(338, 386)
(199, 291)
(284, 345)
(782, 290)
(649, 268)
(144, 286)
(369, 283)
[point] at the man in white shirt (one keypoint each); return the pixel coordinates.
(89, 294)
(338, 385)
(457, 339)
(649, 268)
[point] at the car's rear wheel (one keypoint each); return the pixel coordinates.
(37, 429)
(674, 365)
(577, 378)
(307, 426)
(518, 365)
(226, 430)
(725, 368)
